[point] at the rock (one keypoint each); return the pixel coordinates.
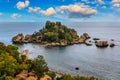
(46, 77)
(39, 38)
(30, 78)
(31, 74)
(54, 44)
(83, 38)
(75, 42)
(96, 39)
(63, 44)
(90, 41)
(102, 44)
(77, 68)
(48, 45)
(57, 44)
(18, 39)
(86, 35)
(24, 52)
(112, 39)
(112, 44)
(88, 44)
(27, 37)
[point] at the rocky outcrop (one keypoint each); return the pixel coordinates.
(38, 39)
(27, 37)
(18, 39)
(102, 44)
(83, 38)
(24, 52)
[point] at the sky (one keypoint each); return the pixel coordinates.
(60, 10)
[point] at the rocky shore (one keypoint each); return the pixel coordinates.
(83, 39)
(20, 39)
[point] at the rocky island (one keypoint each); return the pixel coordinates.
(56, 34)
(53, 34)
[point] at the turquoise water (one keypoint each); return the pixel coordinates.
(92, 61)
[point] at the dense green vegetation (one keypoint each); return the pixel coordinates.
(56, 32)
(12, 64)
(69, 77)
(40, 66)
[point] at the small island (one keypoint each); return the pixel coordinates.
(53, 34)
(56, 34)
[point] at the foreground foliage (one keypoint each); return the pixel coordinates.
(69, 77)
(12, 64)
(40, 66)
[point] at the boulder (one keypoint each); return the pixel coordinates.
(63, 44)
(27, 37)
(102, 44)
(24, 52)
(96, 39)
(76, 68)
(112, 39)
(86, 35)
(55, 44)
(112, 44)
(88, 43)
(18, 39)
(83, 38)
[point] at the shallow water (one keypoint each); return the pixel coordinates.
(92, 61)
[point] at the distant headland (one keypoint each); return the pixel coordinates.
(56, 34)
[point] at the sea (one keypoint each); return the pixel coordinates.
(103, 63)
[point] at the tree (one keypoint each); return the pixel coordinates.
(50, 37)
(13, 50)
(8, 65)
(4, 77)
(40, 66)
(48, 24)
(69, 77)
(58, 23)
(52, 75)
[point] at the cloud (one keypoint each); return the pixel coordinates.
(21, 5)
(104, 7)
(33, 9)
(116, 3)
(1, 14)
(15, 15)
(49, 12)
(27, 3)
(85, 1)
(101, 2)
(77, 10)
